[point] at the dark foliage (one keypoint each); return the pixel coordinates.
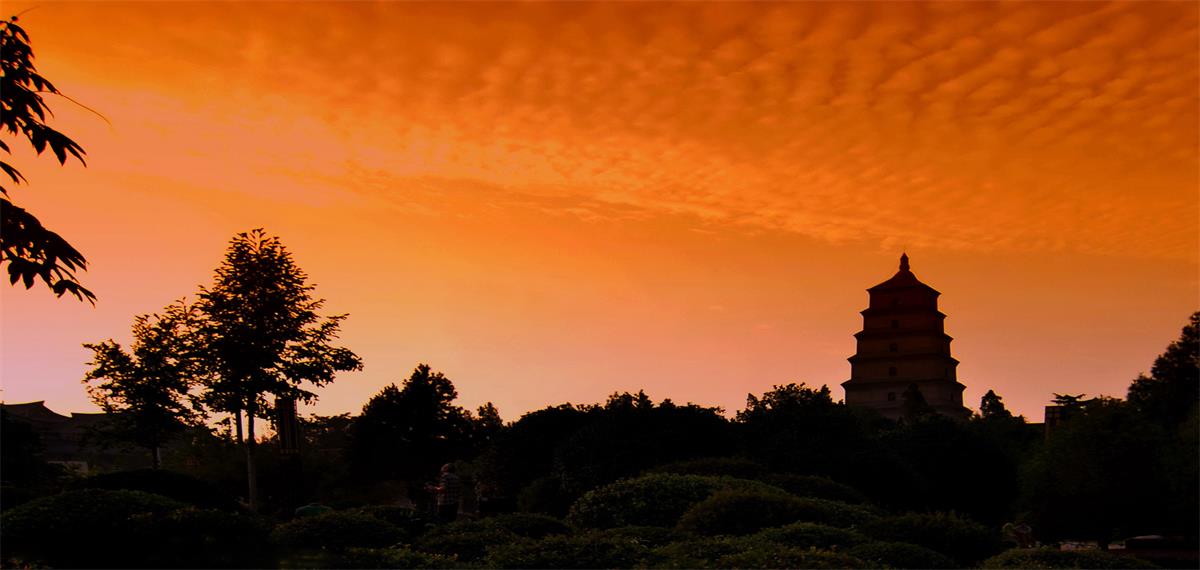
(171, 484)
(31, 251)
(963, 540)
(900, 555)
(400, 557)
(740, 512)
(101, 527)
(407, 432)
(336, 531)
(1172, 391)
(812, 535)
(815, 487)
(762, 556)
(581, 551)
(466, 541)
(651, 500)
(738, 467)
(1046, 558)
(202, 538)
(648, 536)
(1106, 474)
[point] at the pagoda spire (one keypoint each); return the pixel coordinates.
(904, 262)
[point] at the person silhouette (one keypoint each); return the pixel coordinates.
(446, 494)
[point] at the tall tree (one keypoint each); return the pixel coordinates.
(262, 336)
(31, 251)
(1172, 391)
(147, 390)
(407, 432)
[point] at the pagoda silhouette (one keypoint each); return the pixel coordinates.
(903, 345)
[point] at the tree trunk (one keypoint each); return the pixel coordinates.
(237, 420)
(156, 455)
(251, 471)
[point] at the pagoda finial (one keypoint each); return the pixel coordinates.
(904, 262)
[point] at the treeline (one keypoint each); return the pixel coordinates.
(660, 474)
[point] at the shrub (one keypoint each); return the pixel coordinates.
(172, 484)
(390, 558)
(468, 541)
(699, 552)
(715, 467)
(763, 556)
(811, 535)
(582, 551)
(648, 536)
(92, 528)
(962, 539)
(336, 531)
(1039, 558)
(900, 555)
(651, 500)
(203, 538)
(815, 487)
(544, 495)
(525, 524)
(745, 512)
(412, 522)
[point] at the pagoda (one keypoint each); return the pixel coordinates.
(903, 343)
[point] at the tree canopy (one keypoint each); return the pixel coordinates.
(32, 251)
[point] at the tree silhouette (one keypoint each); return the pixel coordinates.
(31, 251)
(1172, 391)
(147, 389)
(262, 336)
(991, 406)
(913, 404)
(407, 432)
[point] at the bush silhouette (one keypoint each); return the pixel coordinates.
(648, 536)
(1039, 558)
(90, 528)
(740, 512)
(651, 500)
(815, 487)
(811, 535)
(763, 556)
(581, 551)
(172, 484)
(468, 540)
(715, 467)
(900, 555)
(962, 539)
(400, 557)
(203, 538)
(336, 531)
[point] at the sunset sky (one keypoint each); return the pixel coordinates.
(552, 202)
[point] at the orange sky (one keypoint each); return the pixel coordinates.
(551, 202)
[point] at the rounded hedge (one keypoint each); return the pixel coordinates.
(811, 535)
(467, 541)
(90, 528)
(336, 531)
(525, 524)
(411, 521)
(816, 487)
(1040, 558)
(715, 467)
(582, 551)
(390, 558)
(765, 557)
(701, 552)
(203, 538)
(962, 539)
(648, 536)
(651, 500)
(900, 555)
(171, 484)
(739, 512)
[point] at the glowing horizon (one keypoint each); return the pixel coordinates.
(553, 202)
